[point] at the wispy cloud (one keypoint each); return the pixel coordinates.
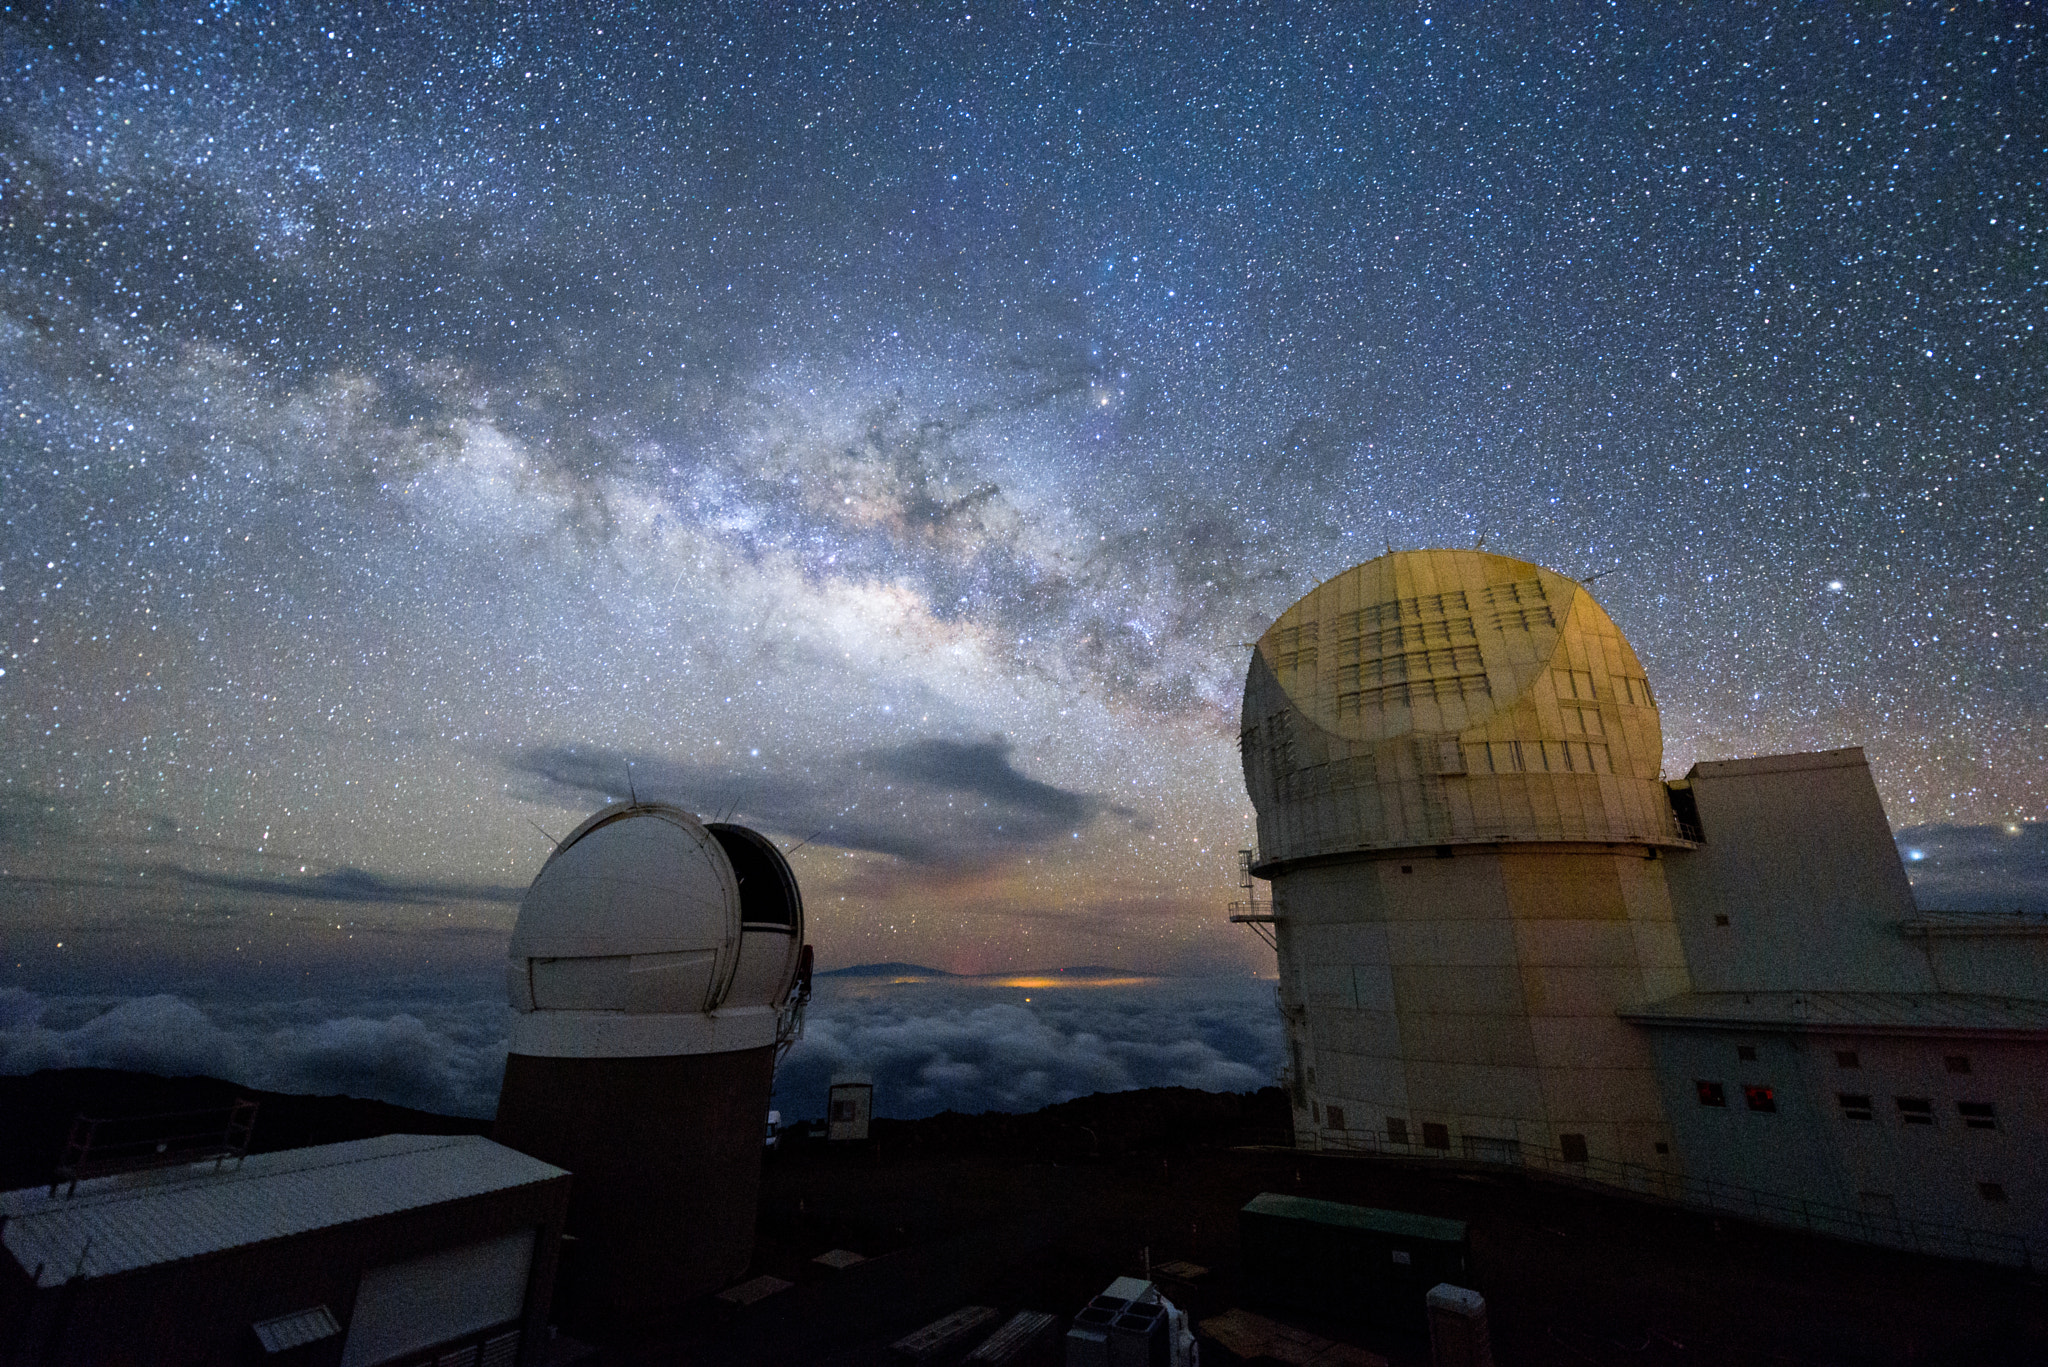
(351, 885)
(980, 769)
(933, 802)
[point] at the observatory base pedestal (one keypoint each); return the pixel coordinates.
(666, 1158)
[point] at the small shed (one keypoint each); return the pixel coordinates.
(1349, 1261)
(849, 1105)
(401, 1249)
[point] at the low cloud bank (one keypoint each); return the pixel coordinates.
(1978, 868)
(938, 1046)
(929, 1047)
(437, 1056)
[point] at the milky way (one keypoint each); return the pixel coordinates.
(888, 427)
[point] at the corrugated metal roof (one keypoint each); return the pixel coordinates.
(1400, 1223)
(1973, 923)
(118, 1224)
(1854, 1012)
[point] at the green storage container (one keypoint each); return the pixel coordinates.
(1352, 1262)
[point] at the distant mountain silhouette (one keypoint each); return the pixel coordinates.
(903, 970)
(888, 970)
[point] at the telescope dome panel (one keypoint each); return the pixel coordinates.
(634, 879)
(1443, 697)
(631, 941)
(771, 913)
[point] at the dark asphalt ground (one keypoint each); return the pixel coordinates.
(1041, 1211)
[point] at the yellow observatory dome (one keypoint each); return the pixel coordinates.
(1442, 697)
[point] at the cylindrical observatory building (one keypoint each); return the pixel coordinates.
(1454, 758)
(652, 973)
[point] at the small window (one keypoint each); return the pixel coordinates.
(1397, 1130)
(1746, 1052)
(1957, 1063)
(1720, 919)
(1662, 1147)
(842, 1110)
(1711, 1093)
(1407, 868)
(1436, 1136)
(1760, 1098)
(1846, 1058)
(1978, 1115)
(1573, 1147)
(1855, 1105)
(1336, 1114)
(1991, 1191)
(1915, 1110)
(1315, 1111)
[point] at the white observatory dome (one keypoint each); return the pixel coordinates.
(648, 933)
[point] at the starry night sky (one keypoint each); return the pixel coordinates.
(887, 427)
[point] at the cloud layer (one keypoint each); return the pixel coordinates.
(436, 1056)
(929, 1047)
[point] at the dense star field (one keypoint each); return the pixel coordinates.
(887, 427)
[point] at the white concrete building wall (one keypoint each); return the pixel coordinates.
(1798, 886)
(1992, 953)
(1478, 992)
(1942, 1169)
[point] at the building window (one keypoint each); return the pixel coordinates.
(1991, 1191)
(1436, 1136)
(1855, 1105)
(1711, 1093)
(1915, 1110)
(1662, 1147)
(1315, 1111)
(1397, 1130)
(1846, 1058)
(1760, 1098)
(842, 1111)
(1957, 1063)
(1336, 1114)
(1573, 1147)
(1746, 1052)
(1720, 919)
(1978, 1115)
